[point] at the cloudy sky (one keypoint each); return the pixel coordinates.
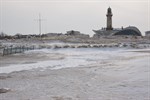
(20, 16)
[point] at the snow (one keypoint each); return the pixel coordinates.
(82, 74)
(73, 58)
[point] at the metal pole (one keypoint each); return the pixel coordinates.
(40, 28)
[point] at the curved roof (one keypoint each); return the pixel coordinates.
(129, 31)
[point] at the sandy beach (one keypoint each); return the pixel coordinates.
(76, 74)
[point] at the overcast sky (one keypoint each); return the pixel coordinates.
(59, 16)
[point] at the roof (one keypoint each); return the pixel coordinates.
(131, 30)
(126, 31)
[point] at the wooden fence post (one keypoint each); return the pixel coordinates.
(7, 51)
(14, 49)
(11, 50)
(3, 51)
(20, 49)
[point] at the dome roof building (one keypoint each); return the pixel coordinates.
(110, 31)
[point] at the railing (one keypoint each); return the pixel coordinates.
(13, 50)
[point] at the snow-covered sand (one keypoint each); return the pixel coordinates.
(55, 58)
(77, 74)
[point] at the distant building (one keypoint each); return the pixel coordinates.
(109, 19)
(53, 34)
(147, 33)
(76, 34)
(73, 33)
(110, 31)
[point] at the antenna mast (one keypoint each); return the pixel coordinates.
(40, 26)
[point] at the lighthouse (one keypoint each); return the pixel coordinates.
(109, 19)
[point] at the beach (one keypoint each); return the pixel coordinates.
(76, 74)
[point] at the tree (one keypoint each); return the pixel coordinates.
(3, 35)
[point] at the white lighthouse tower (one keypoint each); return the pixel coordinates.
(109, 19)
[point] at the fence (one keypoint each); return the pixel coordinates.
(13, 50)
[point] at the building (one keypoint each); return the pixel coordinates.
(53, 34)
(110, 31)
(73, 33)
(109, 19)
(147, 33)
(77, 34)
